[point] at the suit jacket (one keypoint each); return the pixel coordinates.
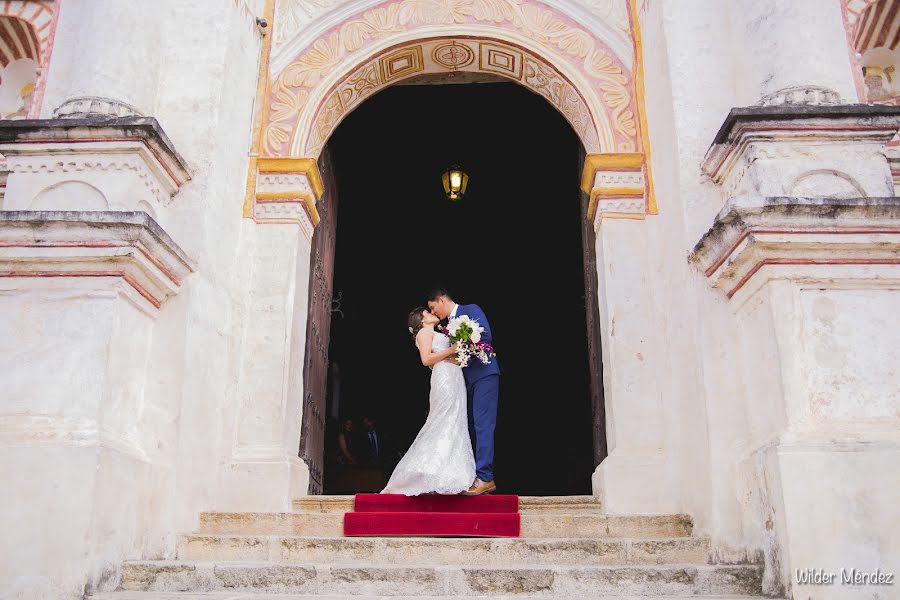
(368, 450)
(476, 369)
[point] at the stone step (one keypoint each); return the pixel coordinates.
(443, 551)
(578, 525)
(527, 504)
(275, 596)
(578, 582)
(560, 505)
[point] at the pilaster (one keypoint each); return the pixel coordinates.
(264, 471)
(637, 476)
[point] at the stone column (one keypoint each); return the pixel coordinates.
(265, 472)
(637, 475)
(85, 275)
(800, 45)
(105, 59)
(808, 240)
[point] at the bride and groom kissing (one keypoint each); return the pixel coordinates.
(454, 451)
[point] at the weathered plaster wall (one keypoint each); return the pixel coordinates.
(728, 393)
(113, 471)
(692, 82)
(80, 442)
(206, 100)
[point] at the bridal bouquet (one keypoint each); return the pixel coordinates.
(467, 333)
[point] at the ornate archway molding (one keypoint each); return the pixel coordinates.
(443, 55)
(524, 41)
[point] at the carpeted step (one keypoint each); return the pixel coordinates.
(435, 503)
(468, 524)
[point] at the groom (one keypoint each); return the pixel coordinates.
(482, 390)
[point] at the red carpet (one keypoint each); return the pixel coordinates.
(433, 515)
(434, 503)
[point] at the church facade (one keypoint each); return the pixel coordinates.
(166, 174)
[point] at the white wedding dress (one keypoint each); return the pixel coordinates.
(440, 459)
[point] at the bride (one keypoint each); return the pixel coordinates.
(440, 459)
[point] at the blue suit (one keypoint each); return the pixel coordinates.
(483, 391)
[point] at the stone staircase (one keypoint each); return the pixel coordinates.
(568, 549)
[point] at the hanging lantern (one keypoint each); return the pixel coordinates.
(455, 182)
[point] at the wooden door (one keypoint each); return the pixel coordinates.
(318, 329)
(592, 314)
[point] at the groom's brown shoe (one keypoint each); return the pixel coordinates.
(480, 487)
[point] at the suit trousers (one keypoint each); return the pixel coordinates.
(483, 395)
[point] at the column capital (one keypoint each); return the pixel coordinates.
(617, 185)
(285, 190)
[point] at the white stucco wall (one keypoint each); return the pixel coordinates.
(82, 442)
(101, 49)
(692, 82)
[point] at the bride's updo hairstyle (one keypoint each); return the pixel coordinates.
(414, 320)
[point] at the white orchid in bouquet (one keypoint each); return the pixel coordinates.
(466, 332)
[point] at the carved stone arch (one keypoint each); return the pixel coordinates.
(349, 54)
(594, 75)
(345, 51)
(442, 55)
(299, 22)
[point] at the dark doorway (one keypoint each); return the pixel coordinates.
(513, 245)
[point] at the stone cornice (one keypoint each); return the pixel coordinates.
(47, 133)
(841, 123)
(757, 114)
(752, 232)
(128, 246)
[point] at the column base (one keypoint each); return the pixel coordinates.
(263, 484)
(630, 484)
(841, 508)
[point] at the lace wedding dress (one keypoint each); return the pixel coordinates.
(440, 459)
